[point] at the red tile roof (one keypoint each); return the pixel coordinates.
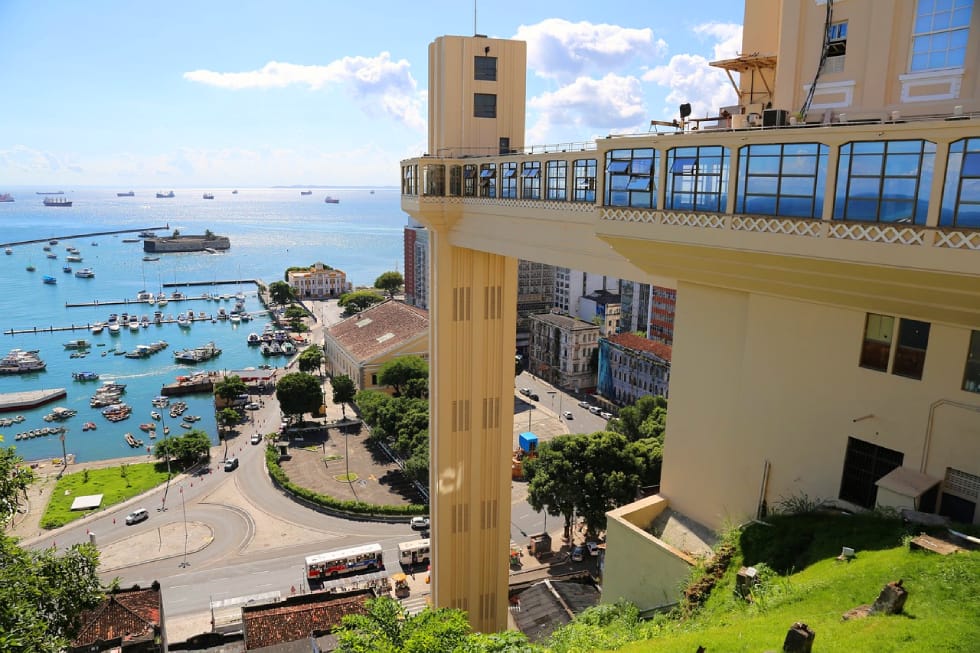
(266, 625)
(633, 341)
(381, 328)
(124, 614)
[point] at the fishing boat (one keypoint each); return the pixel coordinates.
(73, 258)
(85, 273)
(66, 268)
(85, 376)
(77, 344)
(48, 279)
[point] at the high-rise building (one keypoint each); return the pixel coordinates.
(823, 236)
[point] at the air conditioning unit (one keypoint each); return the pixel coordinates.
(775, 118)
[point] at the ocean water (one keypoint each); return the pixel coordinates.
(270, 230)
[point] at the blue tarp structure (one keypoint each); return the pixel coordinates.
(528, 442)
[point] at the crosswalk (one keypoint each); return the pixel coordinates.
(416, 603)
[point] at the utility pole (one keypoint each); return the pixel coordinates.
(184, 508)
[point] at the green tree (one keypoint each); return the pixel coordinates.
(186, 449)
(388, 628)
(228, 417)
(398, 372)
(42, 592)
(646, 418)
(281, 292)
(299, 393)
(311, 359)
(587, 474)
(230, 387)
(355, 302)
(390, 282)
(343, 392)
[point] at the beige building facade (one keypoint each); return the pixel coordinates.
(825, 249)
(319, 282)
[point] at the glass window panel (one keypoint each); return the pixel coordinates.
(902, 164)
(971, 164)
(897, 211)
(761, 204)
(684, 165)
(898, 189)
(763, 165)
(907, 147)
(766, 150)
(799, 165)
(619, 182)
(509, 172)
(639, 183)
(797, 207)
(487, 173)
(866, 164)
(797, 186)
(619, 198)
(867, 147)
(683, 201)
(762, 185)
(865, 187)
(864, 210)
(618, 166)
(707, 202)
(919, 61)
(641, 166)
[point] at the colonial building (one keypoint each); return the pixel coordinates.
(358, 346)
(823, 236)
(563, 350)
(631, 367)
(128, 620)
(319, 282)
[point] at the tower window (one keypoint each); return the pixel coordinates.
(485, 69)
(484, 105)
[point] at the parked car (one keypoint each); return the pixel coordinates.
(252, 406)
(583, 404)
(231, 464)
(578, 554)
(568, 415)
(256, 438)
(605, 415)
(595, 410)
(137, 516)
(533, 397)
(420, 523)
(525, 391)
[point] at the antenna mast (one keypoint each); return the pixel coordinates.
(474, 19)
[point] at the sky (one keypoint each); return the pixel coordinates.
(319, 92)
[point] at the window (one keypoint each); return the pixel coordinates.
(835, 48)
(940, 33)
(531, 180)
(508, 182)
(877, 346)
(910, 352)
(469, 180)
(782, 179)
(583, 180)
(484, 105)
(864, 464)
(961, 491)
(488, 180)
(631, 178)
(884, 181)
(485, 69)
(971, 377)
(409, 176)
(455, 181)
(961, 192)
(697, 178)
(556, 173)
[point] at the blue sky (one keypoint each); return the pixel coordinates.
(229, 94)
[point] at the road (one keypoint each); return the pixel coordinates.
(215, 535)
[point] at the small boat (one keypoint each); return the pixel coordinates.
(331, 200)
(155, 415)
(85, 376)
(66, 268)
(126, 194)
(30, 267)
(48, 279)
(146, 234)
(234, 192)
(78, 344)
(73, 258)
(147, 427)
(130, 240)
(151, 258)
(114, 329)
(169, 195)
(88, 426)
(85, 273)
(306, 192)
(208, 196)
(52, 255)
(97, 328)
(8, 251)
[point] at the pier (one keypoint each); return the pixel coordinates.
(88, 326)
(28, 399)
(85, 235)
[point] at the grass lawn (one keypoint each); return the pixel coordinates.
(942, 612)
(116, 484)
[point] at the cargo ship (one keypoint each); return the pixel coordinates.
(57, 201)
(6, 197)
(128, 194)
(165, 195)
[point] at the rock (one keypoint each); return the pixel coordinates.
(891, 600)
(799, 639)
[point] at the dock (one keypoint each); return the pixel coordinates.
(88, 326)
(85, 235)
(12, 401)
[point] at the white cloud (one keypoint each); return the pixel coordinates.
(689, 78)
(610, 103)
(563, 50)
(378, 83)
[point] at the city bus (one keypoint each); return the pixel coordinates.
(414, 552)
(344, 561)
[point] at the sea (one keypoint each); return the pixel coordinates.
(270, 230)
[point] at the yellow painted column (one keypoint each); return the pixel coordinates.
(472, 330)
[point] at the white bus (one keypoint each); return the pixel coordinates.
(414, 552)
(344, 561)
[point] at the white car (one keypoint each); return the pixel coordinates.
(256, 438)
(595, 410)
(251, 406)
(420, 523)
(137, 516)
(568, 415)
(605, 415)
